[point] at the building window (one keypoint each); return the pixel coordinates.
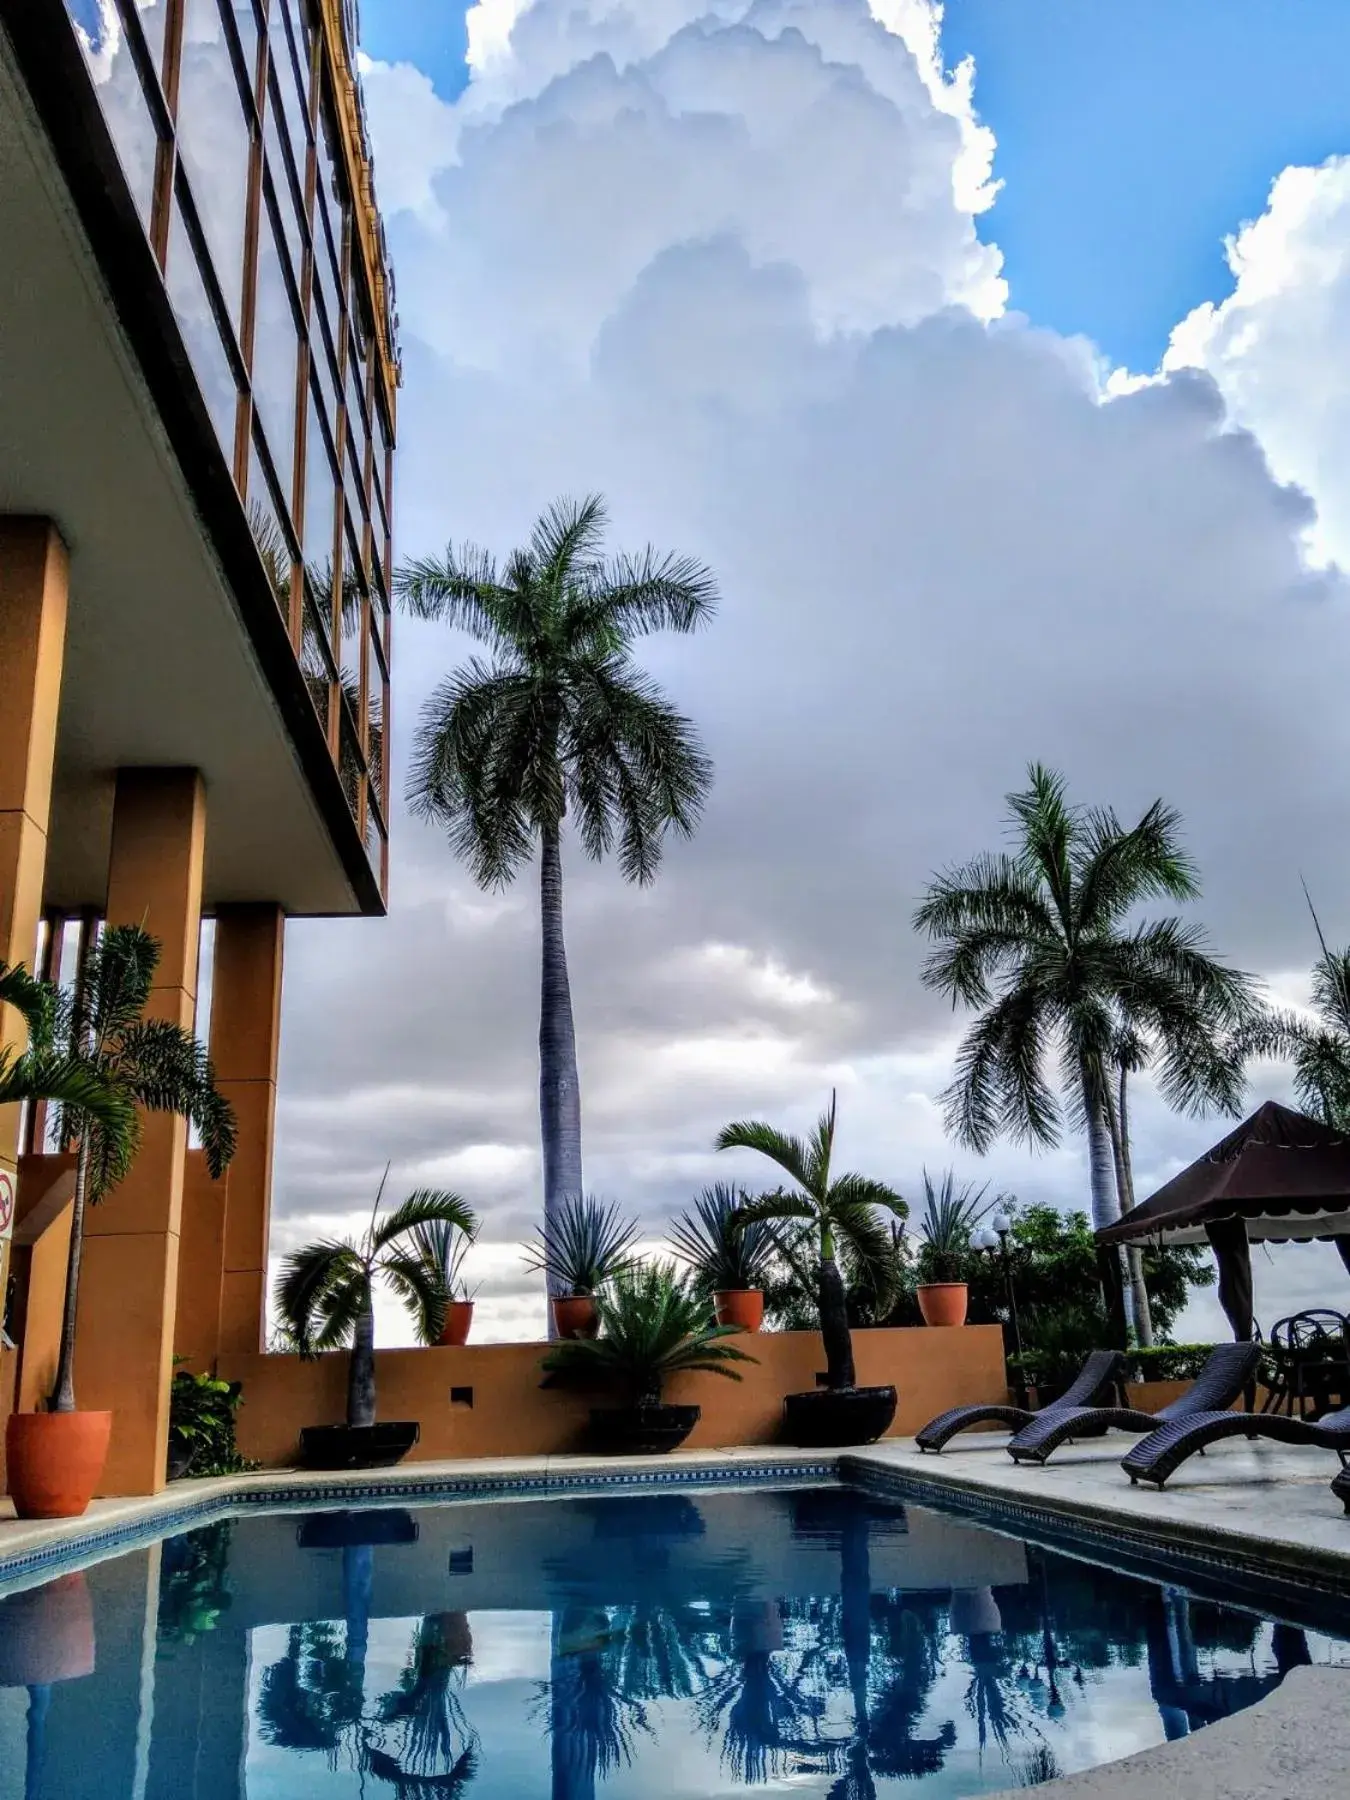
(214, 140)
(110, 56)
(201, 333)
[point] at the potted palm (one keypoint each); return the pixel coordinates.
(729, 1259)
(833, 1209)
(652, 1326)
(588, 1244)
(326, 1301)
(950, 1215)
(444, 1246)
(131, 1065)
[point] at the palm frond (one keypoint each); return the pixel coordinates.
(308, 1276)
(424, 1206)
(422, 1288)
(790, 1153)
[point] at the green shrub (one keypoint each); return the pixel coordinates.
(1055, 1366)
(201, 1419)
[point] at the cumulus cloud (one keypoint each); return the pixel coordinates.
(1279, 345)
(721, 263)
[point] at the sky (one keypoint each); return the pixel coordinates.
(997, 364)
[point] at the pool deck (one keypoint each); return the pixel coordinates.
(1250, 1510)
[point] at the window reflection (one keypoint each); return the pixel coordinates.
(320, 485)
(200, 332)
(316, 662)
(285, 176)
(375, 709)
(269, 534)
(293, 75)
(349, 764)
(275, 348)
(125, 109)
(213, 140)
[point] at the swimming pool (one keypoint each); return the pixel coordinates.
(678, 1643)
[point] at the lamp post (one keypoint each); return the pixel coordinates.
(994, 1237)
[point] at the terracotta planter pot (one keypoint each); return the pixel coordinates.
(458, 1319)
(54, 1461)
(575, 1315)
(943, 1302)
(741, 1307)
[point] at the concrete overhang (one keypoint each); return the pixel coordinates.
(177, 654)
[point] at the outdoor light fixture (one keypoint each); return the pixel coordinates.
(994, 1237)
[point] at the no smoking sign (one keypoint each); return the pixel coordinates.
(6, 1202)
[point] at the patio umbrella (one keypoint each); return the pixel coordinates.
(1280, 1177)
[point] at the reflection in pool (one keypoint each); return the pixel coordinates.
(677, 1644)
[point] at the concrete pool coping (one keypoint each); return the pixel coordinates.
(1247, 1509)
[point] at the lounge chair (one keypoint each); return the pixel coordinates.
(1167, 1447)
(1226, 1373)
(1099, 1372)
(1341, 1486)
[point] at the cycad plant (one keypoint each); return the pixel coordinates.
(652, 1326)
(1044, 944)
(326, 1293)
(148, 1065)
(834, 1208)
(722, 1251)
(559, 720)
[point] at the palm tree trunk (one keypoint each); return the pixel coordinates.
(834, 1331)
(1134, 1256)
(62, 1398)
(559, 1086)
(1102, 1178)
(361, 1369)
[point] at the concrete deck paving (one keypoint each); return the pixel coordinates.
(1251, 1509)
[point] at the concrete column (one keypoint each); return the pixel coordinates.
(225, 1223)
(129, 1288)
(34, 585)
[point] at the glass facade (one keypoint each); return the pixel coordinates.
(238, 127)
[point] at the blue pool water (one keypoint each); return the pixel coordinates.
(688, 1644)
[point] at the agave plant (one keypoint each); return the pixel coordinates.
(589, 1244)
(652, 1326)
(722, 1253)
(444, 1246)
(950, 1215)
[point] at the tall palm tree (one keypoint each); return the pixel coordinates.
(326, 1292)
(150, 1065)
(834, 1208)
(1319, 1048)
(1040, 940)
(559, 719)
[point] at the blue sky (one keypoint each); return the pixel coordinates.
(1133, 135)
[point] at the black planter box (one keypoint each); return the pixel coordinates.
(641, 1430)
(357, 1446)
(830, 1418)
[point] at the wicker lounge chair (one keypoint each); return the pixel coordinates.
(1341, 1486)
(1100, 1371)
(1227, 1372)
(1167, 1447)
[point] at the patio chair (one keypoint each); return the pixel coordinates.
(1100, 1371)
(1165, 1449)
(1227, 1371)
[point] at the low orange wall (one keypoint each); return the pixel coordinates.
(510, 1415)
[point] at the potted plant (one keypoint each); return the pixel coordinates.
(652, 1326)
(832, 1208)
(589, 1244)
(729, 1259)
(950, 1215)
(326, 1301)
(445, 1247)
(202, 1411)
(131, 1064)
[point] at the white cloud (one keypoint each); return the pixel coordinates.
(1279, 345)
(721, 264)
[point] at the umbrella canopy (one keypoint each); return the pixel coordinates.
(1284, 1175)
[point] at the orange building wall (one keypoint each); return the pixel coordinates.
(511, 1415)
